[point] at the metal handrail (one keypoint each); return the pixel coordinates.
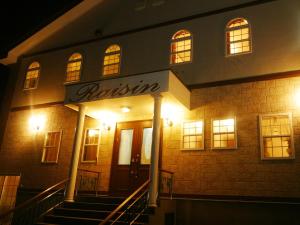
(113, 213)
(88, 171)
(28, 202)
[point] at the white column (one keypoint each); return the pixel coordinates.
(154, 176)
(75, 154)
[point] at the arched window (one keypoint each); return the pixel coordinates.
(111, 62)
(32, 76)
(181, 47)
(74, 68)
(238, 37)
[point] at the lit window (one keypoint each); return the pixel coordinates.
(32, 76)
(276, 137)
(238, 37)
(112, 58)
(181, 47)
(224, 134)
(74, 68)
(192, 135)
(51, 147)
(91, 145)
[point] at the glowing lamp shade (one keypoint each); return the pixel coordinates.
(125, 109)
(37, 122)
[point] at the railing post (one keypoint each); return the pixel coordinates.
(153, 192)
(76, 154)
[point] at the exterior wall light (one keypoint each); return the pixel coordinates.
(168, 122)
(37, 122)
(106, 126)
(125, 109)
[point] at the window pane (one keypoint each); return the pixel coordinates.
(51, 146)
(90, 153)
(146, 146)
(193, 135)
(224, 133)
(125, 147)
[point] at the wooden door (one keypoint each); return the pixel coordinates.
(131, 156)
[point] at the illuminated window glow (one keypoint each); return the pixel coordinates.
(32, 76)
(91, 145)
(181, 47)
(74, 68)
(112, 59)
(238, 37)
(276, 136)
(224, 133)
(193, 135)
(51, 147)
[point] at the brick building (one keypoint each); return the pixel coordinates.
(221, 81)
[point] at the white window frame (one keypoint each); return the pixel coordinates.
(58, 147)
(83, 146)
(177, 40)
(262, 155)
(182, 135)
(112, 53)
(72, 61)
(227, 53)
(37, 79)
(235, 133)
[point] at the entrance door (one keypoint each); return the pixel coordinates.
(131, 155)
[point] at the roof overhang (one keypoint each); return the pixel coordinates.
(134, 92)
(49, 30)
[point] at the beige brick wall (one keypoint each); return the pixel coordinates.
(22, 149)
(206, 172)
(239, 171)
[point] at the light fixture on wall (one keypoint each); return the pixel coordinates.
(37, 122)
(168, 122)
(125, 109)
(105, 126)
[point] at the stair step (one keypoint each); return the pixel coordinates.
(89, 205)
(95, 214)
(67, 220)
(101, 199)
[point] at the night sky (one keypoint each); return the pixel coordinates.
(20, 19)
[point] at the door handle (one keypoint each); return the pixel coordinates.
(137, 165)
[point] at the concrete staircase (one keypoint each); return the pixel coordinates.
(88, 210)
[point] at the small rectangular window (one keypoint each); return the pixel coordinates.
(51, 146)
(192, 135)
(91, 145)
(224, 134)
(276, 136)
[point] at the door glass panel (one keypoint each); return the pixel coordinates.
(125, 147)
(146, 146)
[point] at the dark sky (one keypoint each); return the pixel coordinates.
(20, 19)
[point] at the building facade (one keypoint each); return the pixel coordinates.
(222, 77)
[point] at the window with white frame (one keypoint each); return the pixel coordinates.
(181, 47)
(276, 136)
(112, 59)
(32, 76)
(238, 37)
(51, 146)
(91, 145)
(74, 68)
(192, 135)
(224, 133)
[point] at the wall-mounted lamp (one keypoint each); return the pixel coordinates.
(37, 122)
(125, 109)
(105, 126)
(168, 122)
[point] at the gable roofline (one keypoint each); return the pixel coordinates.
(53, 27)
